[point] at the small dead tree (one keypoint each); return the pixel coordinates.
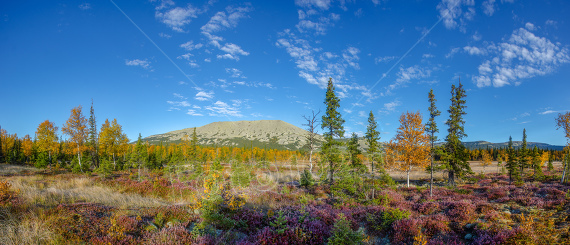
(311, 138)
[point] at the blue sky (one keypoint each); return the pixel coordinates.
(159, 66)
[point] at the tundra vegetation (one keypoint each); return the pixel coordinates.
(94, 187)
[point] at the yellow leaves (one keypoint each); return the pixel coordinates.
(486, 158)
(410, 148)
(76, 127)
(46, 135)
(112, 139)
(563, 121)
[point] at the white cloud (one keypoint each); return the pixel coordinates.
(203, 96)
(529, 26)
(350, 55)
(225, 20)
(548, 112)
(474, 50)
(551, 23)
(320, 4)
(182, 83)
(85, 6)
(477, 36)
(489, 7)
(427, 56)
(179, 103)
(384, 59)
(405, 75)
(178, 17)
(524, 55)
(391, 106)
(452, 52)
(136, 62)
(362, 114)
(189, 46)
(192, 112)
(177, 95)
(233, 49)
(164, 35)
(453, 11)
(347, 111)
(223, 109)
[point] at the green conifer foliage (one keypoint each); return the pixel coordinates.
(456, 155)
(431, 129)
(332, 123)
(372, 137)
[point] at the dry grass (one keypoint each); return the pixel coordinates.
(9, 169)
(51, 191)
(29, 230)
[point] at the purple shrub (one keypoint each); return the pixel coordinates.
(405, 230)
(461, 211)
(435, 224)
(447, 239)
(426, 208)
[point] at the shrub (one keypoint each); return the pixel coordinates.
(343, 234)
(392, 215)
(306, 179)
(405, 230)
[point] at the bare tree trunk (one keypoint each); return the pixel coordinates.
(114, 163)
(408, 175)
(311, 161)
(564, 169)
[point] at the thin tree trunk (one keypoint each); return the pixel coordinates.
(451, 177)
(431, 168)
(311, 161)
(408, 175)
(114, 163)
(564, 170)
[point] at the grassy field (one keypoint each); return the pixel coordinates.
(156, 207)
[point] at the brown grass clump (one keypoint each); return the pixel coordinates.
(52, 191)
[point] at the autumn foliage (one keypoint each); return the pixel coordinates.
(410, 148)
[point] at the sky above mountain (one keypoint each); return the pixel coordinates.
(159, 66)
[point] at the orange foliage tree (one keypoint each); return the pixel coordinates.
(410, 148)
(76, 129)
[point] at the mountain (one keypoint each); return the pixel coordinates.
(516, 145)
(274, 134)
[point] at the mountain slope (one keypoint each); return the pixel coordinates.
(274, 134)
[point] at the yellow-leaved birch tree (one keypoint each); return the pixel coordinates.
(411, 146)
(76, 128)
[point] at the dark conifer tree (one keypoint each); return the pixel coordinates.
(372, 137)
(523, 154)
(93, 137)
(456, 153)
(512, 162)
(332, 123)
(354, 151)
(431, 129)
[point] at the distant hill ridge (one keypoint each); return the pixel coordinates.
(516, 145)
(277, 134)
(274, 134)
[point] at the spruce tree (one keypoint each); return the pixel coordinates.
(431, 129)
(456, 154)
(372, 137)
(523, 155)
(332, 123)
(512, 161)
(354, 151)
(93, 139)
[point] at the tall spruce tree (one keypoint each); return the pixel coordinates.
(523, 155)
(332, 123)
(372, 137)
(93, 137)
(354, 151)
(512, 161)
(456, 154)
(431, 129)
